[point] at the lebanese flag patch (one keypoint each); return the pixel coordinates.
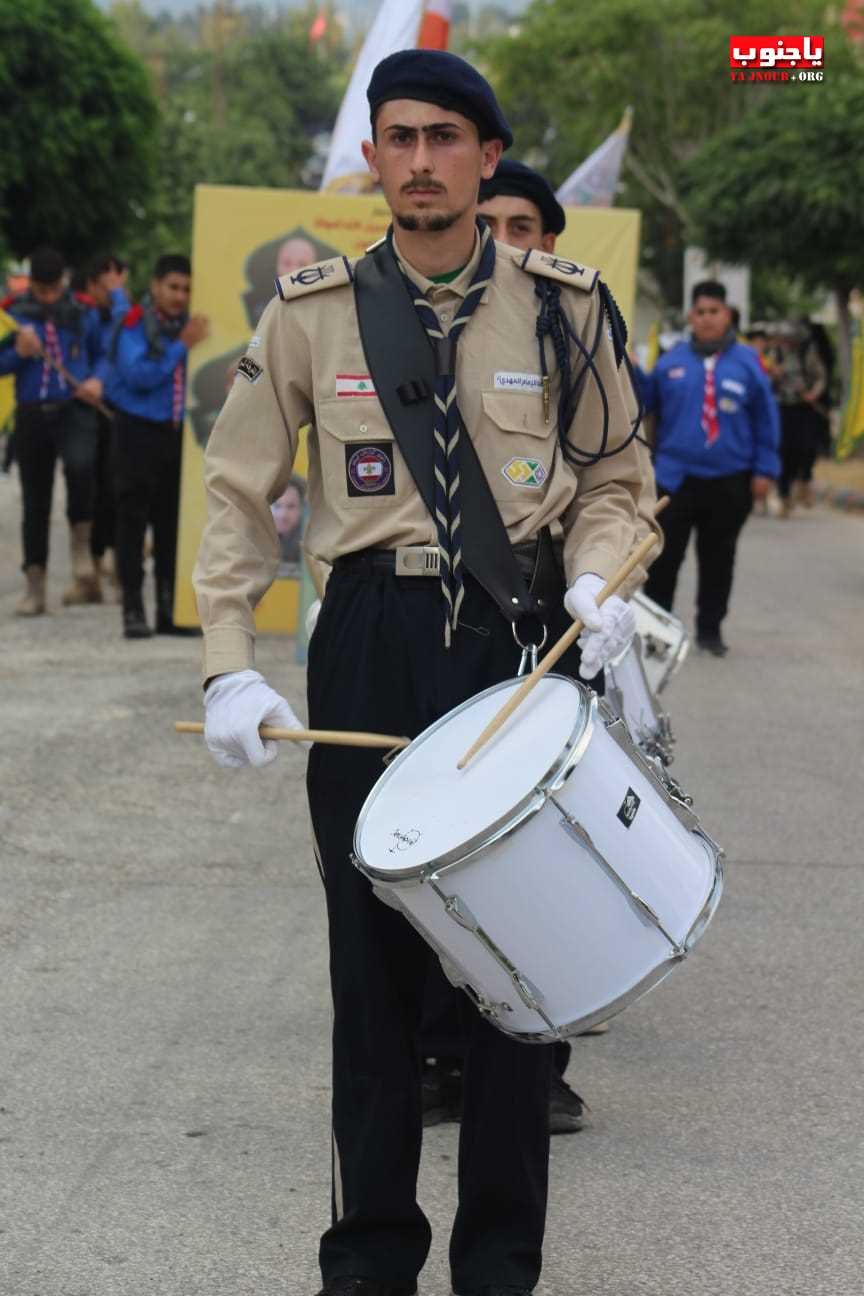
(354, 385)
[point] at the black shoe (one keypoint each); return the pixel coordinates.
(135, 623)
(566, 1109)
(497, 1291)
(442, 1093)
(712, 643)
(164, 625)
(165, 616)
(366, 1287)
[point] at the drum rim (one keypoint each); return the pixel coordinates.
(525, 808)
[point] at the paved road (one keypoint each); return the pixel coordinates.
(163, 991)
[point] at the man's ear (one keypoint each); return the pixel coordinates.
(370, 152)
(492, 150)
(547, 242)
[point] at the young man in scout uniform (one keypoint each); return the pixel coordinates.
(57, 356)
(717, 435)
(148, 391)
(438, 327)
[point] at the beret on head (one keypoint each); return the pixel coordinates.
(436, 77)
(517, 180)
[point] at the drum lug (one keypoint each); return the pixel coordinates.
(457, 909)
(581, 834)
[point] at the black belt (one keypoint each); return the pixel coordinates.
(540, 561)
(46, 408)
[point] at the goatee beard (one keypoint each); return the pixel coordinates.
(433, 224)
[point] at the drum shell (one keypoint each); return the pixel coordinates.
(547, 925)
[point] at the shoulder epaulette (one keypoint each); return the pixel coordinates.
(334, 273)
(83, 299)
(377, 243)
(9, 301)
(556, 267)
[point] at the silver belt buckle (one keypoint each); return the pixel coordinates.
(417, 560)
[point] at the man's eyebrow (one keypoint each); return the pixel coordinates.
(432, 126)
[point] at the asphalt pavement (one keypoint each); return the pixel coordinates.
(164, 1007)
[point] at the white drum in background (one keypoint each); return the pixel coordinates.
(629, 695)
(665, 641)
(559, 876)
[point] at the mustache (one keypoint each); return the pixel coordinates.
(415, 186)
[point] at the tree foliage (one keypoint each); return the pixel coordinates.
(244, 99)
(782, 187)
(80, 122)
(568, 71)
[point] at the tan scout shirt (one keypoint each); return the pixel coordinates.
(306, 366)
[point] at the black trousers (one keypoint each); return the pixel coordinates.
(377, 661)
(146, 490)
(44, 433)
(716, 508)
(102, 536)
(802, 435)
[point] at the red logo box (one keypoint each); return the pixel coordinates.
(778, 53)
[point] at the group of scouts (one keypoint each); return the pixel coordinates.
(100, 386)
(438, 331)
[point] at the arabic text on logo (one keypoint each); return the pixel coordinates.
(776, 58)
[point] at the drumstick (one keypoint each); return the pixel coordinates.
(557, 650)
(64, 373)
(335, 737)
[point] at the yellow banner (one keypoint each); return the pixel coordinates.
(852, 418)
(243, 239)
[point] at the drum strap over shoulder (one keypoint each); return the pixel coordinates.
(402, 365)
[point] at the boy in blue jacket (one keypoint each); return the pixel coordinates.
(147, 387)
(717, 439)
(58, 358)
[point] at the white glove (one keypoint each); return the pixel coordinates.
(234, 706)
(608, 629)
(312, 618)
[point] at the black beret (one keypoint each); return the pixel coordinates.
(519, 181)
(436, 77)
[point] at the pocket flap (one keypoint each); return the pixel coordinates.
(517, 412)
(353, 418)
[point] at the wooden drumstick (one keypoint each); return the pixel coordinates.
(557, 650)
(334, 737)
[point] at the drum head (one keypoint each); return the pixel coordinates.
(424, 809)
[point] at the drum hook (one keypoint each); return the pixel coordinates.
(529, 650)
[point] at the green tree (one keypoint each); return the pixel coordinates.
(80, 123)
(567, 71)
(782, 189)
(242, 105)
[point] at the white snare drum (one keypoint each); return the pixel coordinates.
(559, 876)
(665, 641)
(629, 695)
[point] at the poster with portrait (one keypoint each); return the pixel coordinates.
(244, 238)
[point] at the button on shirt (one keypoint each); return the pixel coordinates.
(309, 369)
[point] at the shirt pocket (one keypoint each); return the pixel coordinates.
(516, 445)
(360, 462)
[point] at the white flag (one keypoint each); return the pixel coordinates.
(593, 184)
(396, 27)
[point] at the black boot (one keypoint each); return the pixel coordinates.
(134, 621)
(165, 615)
